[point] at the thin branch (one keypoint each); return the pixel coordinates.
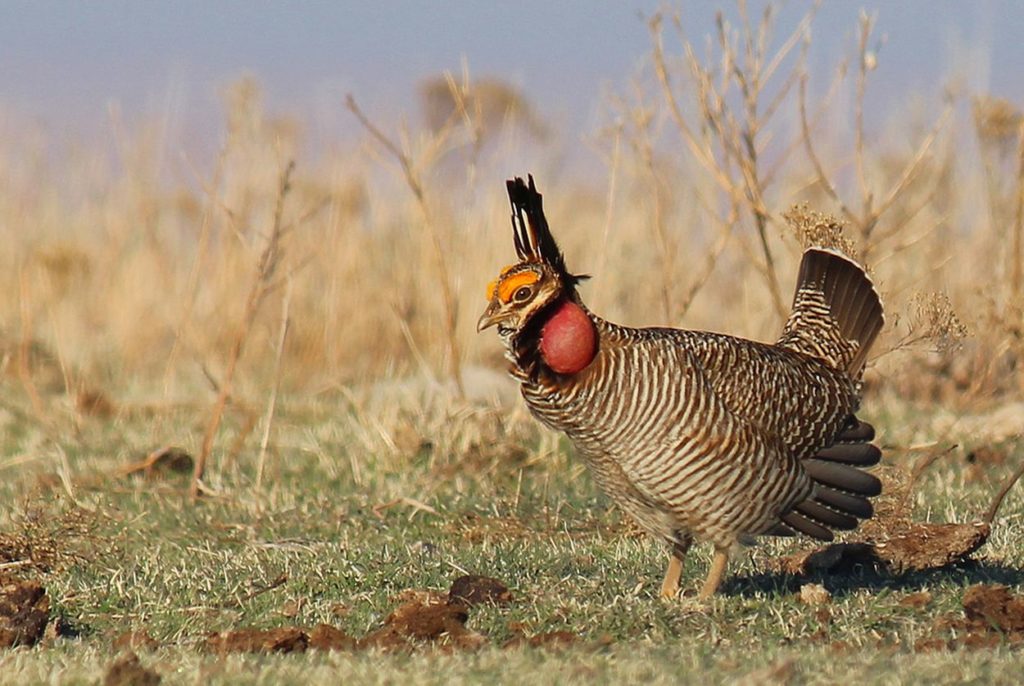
(266, 266)
(866, 24)
(912, 168)
(801, 31)
(268, 419)
(997, 501)
(444, 274)
(823, 179)
(705, 157)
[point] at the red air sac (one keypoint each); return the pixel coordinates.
(568, 342)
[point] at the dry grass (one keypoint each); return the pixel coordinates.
(121, 285)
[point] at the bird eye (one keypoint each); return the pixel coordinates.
(522, 294)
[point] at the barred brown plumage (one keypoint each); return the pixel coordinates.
(696, 435)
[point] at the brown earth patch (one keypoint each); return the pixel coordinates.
(992, 616)
(24, 612)
(421, 619)
(291, 639)
(916, 601)
(994, 606)
(327, 637)
(425, 617)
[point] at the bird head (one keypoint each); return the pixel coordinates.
(539, 279)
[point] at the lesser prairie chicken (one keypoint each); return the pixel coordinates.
(696, 435)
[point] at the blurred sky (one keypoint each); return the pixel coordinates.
(65, 63)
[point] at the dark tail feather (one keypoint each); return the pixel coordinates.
(837, 313)
(815, 510)
(859, 454)
(779, 529)
(841, 487)
(843, 477)
(855, 431)
(856, 505)
(804, 525)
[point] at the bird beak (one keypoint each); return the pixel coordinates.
(490, 317)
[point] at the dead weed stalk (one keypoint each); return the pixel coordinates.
(412, 173)
(865, 220)
(262, 285)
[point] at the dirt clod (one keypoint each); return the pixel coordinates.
(892, 541)
(24, 611)
(914, 547)
(428, 618)
(919, 546)
(128, 671)
(290, 639)
(283, 640)
(472, 590)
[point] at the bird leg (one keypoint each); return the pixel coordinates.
(715, 574)
(670, 585)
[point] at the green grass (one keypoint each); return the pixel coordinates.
(361, 504)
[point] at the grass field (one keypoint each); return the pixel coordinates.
(335, 539)
(248, 395)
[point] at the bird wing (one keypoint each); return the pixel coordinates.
(790, 396)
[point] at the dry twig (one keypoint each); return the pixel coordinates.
(268, 419)
(262, 285)
(865, 220)
(413, 178)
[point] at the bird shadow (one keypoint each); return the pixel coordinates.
(859, 577)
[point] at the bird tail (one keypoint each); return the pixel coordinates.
(837, 313)
(841, 487)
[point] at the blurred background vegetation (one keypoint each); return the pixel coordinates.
(121, 289)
